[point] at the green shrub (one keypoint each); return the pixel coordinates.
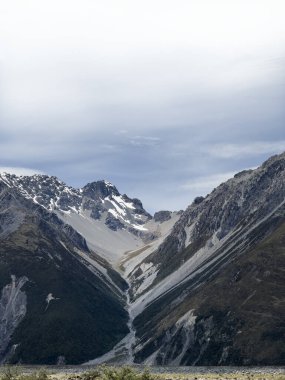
(9, 373)
(114, 373)
(12, 373)
(41, 375)
(100, 373)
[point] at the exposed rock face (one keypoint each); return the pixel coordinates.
(198, 200)
(235, 205)
(239, 313)
(220, 260)
(113, 223)
(162, 216)
(13, 307)
(99, 190)
(176, 341)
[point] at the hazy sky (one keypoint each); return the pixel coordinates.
(165, 99)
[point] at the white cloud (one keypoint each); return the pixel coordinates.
(75, 63)
(245, 150)
(19, 171)
(111, 24)
(205, 184)
(144, 141)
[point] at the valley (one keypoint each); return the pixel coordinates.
(203, 286)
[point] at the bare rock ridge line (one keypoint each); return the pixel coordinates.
(179, 288)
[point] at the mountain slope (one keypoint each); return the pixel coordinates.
(205, 248)
(225, 215)
(57, 251)
(232, 314)
(54, 306)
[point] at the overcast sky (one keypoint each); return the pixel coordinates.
(165, 99)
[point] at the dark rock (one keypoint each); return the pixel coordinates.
(113, 223)
(198, 200)
(162, 216)
(99, 190)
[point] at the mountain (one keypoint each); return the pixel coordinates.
(57, 297)
(88, 275)
(61, 298)
(96, 211)
(218, 295)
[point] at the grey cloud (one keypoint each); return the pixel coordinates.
(156, 111)
(246, 149)
(143, 141)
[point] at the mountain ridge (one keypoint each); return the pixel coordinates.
(158, 269)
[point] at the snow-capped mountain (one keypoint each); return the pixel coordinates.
(101, 199)
(111, 223)
(204, 286)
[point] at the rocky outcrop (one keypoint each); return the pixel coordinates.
(13, 307)
(113, 223)
(162, 216)
(99, 190)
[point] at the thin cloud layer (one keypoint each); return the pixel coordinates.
(246, 150)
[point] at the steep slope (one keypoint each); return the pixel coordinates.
(232, 314)
(226, 215)
(219, 278)
(57, 303)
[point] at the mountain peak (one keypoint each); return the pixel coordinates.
(99, 200)
(100, 189)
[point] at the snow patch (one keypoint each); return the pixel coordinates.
(139, 227)
(119, 210)
(123, 203)
(50, 298)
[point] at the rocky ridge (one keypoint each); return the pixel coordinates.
(208, 222)
(100, 198)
